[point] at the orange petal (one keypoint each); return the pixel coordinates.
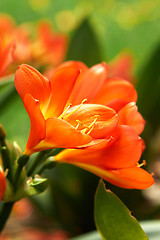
(38, 125)
(124, 152)
(73, 64)
(129, 115)
(89, 83)
(59, 133)
(107, 119)
(2, 184)
(131, 178)
(115, 90)
(29, 80)
(62, 83)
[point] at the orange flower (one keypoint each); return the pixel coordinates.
(103, 123)
(54, 123)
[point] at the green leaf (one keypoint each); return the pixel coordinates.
(15, 120)
(148, 88)
(113, 219)
(6, 81)
(84, 45)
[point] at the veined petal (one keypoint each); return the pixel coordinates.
(105, 119)
(130, 116)
(62, 83)
(2, 184)
(38, 125)
(115, 90)
(89, 83)
(29, 80)
(124, 152)
(59, 133)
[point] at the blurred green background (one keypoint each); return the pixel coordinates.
(111, 27)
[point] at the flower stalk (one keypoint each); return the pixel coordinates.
(4, 213)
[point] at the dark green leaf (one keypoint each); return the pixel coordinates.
(113, 219)
(84, 45)
(148, 88)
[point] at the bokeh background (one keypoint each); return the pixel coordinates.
(97, 30)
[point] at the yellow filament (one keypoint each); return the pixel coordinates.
(90, 127)
(61, 116)
(69, 114)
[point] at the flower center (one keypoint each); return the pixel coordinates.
(87, 129)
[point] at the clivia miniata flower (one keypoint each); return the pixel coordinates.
(91, 115)
(54, 122)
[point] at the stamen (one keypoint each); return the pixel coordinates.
(78, 124)
(142, 164)
(65, 111)
(90, 127)
(69, 114)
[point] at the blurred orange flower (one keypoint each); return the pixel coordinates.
(17, 44)
(6, 57)
(13, 41)
(49, 48)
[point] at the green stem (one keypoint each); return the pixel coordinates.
(6, 158)
(42, 156)
(36, 162)
(49, 164)
(22, 161)
(4, 214)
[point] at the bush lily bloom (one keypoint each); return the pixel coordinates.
(93, 115)
(54, 122)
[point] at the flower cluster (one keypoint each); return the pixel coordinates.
(89, 114)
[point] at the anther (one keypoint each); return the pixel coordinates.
(79, 123)
(142, 164)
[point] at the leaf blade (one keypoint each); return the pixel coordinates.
(113, 219)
